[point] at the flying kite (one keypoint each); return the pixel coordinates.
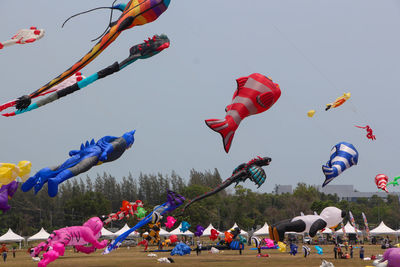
(338, 102)
(199, 230)
(134, 13)
(254, 94)
(77, 236)
(149, 48)
(170, 222)
(311, 113)
(184, 226)
(24, 36)
(251, 170)
(7, 191)
(108, 148)
(370, 134)
(10, 172)
(214, 234)
(174, 200)
(343, 156)
(381, 181)
(128, 209)
(394, 182)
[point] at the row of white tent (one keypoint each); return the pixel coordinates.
(10, 236)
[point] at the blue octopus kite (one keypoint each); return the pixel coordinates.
(108, 148)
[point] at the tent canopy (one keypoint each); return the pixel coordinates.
(177, 231)
(349, 230)
(263, 230)
(41, 235)
(106, 233)
(382, 229)
(10, 236)
(207, 231)
(241, 231)
(124, 229)
(163, 232)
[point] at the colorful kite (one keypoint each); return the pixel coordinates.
(108, 148)
(153, 235)
(10, 172)
(24, 36)
(394, 182)
(370, 134)
(254, 94)
(149, 48)
(381, 181)
(214, 234)
(77, 236)
(170, 222)
(338, 102)
(343, 156)
(199, 230)
(251, 170)
(311, 113)
(7, 191)
(366, 225)
(184, 226)
(134, 13)
(353, 223)
(174, 200)
(128, 209)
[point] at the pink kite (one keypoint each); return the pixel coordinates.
(269, 243)
(370, 134)
(77, 236)
(170, 222)
(24, 36)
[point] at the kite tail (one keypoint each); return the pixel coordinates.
(330, 174)
(224, 128)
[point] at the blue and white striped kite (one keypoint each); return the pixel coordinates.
(343, 156)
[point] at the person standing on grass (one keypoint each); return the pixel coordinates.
(351, 251)
(13, 251)
(3, 251)
(335, 251)
(362, 252)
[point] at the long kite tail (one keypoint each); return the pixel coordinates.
(149, 48)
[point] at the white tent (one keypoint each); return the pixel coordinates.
(124, 229)
(163, 233)
(10, 236)
(263, 230)
(177, 231)
(41, 235)
(207, 231)
(382, 229)
(349, 230)
(242, 232)
(107, 233)
(327, 231)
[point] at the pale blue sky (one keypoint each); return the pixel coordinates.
(316, 50)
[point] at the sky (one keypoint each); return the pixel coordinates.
(315, 50)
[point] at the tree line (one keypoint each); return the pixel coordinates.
(81, 198)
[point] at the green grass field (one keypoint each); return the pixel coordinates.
(136, 257)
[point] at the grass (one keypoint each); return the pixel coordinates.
(136, 257)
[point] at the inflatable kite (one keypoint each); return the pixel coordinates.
(394, 182)
(353, 223)
(149, 48)
(184, 226)
(153, 235)
(343, 156)
(174, 200)
(319, 250)
(144, 243)
(181, 249)
(77, 236)
(366, 225)
(326, 264)
(108, 148)
(370, 134)
(10, 172)
(24, 36)
(170, 222)
(236, 245)
(255, 241)
(134, 13)
(311, 224)
(281, 247)
(311, 113)
(254, 94)
(173, 239)
(199, 230)
(7, 191)
(128, 209)
(293, 249)
(381, 181)
(338, 102)
(228, 237)
(392, 256)
(251, 170)
(214, 234)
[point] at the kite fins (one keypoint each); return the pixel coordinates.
(266, 100)
(224, 129)
(328, 106)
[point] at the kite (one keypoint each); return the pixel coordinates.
(173, 239)
(199, 230)
(293, 249)
(325, 263)
(269, 243)
(306, 250)
(391, 256)
(134, 13)
(24, 36)
(370, 133)
(7, 191)
(338, 102)
(77, 236)
(353, 223)
(394, 182)
(281, 247)
(170, 222)
(251, 170)
(228, 237)
(149, 48)
(174, 200)
(310, 113)
(254, 94)
(214, 234)
(184, 226)
(381, 181)
(366, 225)
(153, 235)
(255, 241)
(311, 224)
(343, 156)
(319, 250)
(144, 243)
(181, 249)
(128, 209)
(10, 172)
(108, 148)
